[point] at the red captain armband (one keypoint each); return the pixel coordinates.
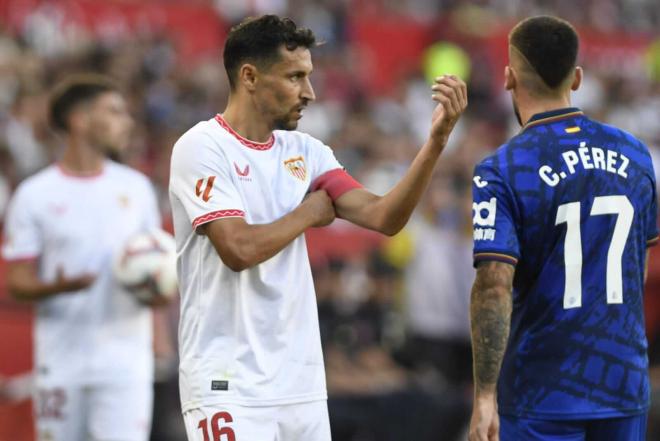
(335, 182)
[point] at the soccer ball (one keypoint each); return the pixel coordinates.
(146, 266)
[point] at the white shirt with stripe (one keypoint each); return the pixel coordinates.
(76, 223)
(249, 337)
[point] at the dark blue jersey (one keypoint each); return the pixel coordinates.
(572, 203)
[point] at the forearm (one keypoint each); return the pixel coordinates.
(261, 242)
(251, 245)
(32, 289)
(490, 317)
(398, 204)
(23, 282)
(388, 214)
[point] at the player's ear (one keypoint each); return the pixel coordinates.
(248, 75)
(509, 78)
(78, 119)
(577, 78)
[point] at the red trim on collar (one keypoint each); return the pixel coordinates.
(246, 142)
(73, 174)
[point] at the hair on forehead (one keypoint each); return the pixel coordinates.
(549, 45)
(73, 91)
(258, 41)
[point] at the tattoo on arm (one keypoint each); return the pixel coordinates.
(490, 316)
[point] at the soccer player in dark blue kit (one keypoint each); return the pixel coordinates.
(563, 215)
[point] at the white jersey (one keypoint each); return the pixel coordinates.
(249, 337)
(76, 224)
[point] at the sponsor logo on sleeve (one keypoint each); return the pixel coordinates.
(484, 216)
(206, 193)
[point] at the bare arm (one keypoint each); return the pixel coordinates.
(646, 265)
(490, 316)
(23, 282)
(389, 213)
(241, 245)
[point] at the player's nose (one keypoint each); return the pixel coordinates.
(307, 92)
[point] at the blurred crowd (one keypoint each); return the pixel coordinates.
(393, 312)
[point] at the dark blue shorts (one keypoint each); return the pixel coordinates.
(631, 428)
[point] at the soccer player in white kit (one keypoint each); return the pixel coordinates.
(244, 186)
(93, 341)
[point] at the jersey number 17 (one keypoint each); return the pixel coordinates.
(570, 214)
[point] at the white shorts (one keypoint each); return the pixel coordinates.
(231, 422)
(109, 412)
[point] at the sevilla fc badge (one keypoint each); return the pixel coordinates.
(296, 166)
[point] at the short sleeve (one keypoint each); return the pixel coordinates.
(201, 180)
(494, 220)
(23, 238)
(328, 174)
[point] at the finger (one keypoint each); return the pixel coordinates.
(452, 93)
(455, 83)
(459, 87)
(495, 428)
(481, 435)
(464, 93)
(445, 102)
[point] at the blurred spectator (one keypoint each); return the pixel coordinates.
(437, 280)
(21, 132)
(371, 396)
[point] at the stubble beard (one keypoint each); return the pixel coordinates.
(285, 124)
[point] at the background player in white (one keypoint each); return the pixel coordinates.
(93, 341)
(251, 363)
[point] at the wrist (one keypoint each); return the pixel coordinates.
(306, 214)
(438, 141)
(488, 394)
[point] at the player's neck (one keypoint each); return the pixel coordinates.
(531, 106)
(81, 160)
(246, 121)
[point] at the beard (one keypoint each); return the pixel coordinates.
(517, 112)
(285, 124)
(114, 155)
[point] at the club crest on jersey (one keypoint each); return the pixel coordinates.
(124, 201)
(296, 166)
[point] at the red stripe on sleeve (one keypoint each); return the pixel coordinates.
(335, 182)
(208, 217)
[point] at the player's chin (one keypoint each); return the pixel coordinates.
(115, 150)
(287, 124)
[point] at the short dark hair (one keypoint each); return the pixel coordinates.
(258, 40)
(73, 91)
(549, 44)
